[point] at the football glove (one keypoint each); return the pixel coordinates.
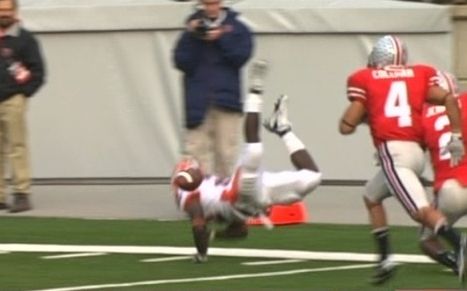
(456, 148)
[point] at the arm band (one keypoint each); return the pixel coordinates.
(348, 123)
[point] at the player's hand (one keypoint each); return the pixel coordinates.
(456, 148)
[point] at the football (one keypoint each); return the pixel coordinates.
(188, 179)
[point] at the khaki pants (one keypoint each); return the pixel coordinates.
(13, 145)
(215, 142)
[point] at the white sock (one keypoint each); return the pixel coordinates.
(253, 103)
(292, 142)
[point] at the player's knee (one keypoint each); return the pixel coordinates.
(309, 181)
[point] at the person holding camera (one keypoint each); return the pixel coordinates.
(21, 75)
(211, 52)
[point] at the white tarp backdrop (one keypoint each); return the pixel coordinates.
(112, 103)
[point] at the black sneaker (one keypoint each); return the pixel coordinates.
(21, 202)
(383, 272)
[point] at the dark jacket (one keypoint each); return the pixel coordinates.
(212, 69)
(20, 46)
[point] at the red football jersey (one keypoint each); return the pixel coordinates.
(393, 98)
(437, 134)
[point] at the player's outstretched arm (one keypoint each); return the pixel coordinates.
(352, 117)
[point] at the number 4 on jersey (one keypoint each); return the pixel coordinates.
(397, 104)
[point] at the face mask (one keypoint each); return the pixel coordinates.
(6, 21)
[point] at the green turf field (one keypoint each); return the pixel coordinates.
(126, 271)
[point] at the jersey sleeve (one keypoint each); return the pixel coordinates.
(431, 74)
(356, 89)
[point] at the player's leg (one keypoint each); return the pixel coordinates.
(279, 124)
(451, 200)
(250, 160)
(402, 163)
(289, 186)
(432, 247)
(376, 191)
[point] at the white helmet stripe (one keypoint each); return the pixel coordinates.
(398, 50)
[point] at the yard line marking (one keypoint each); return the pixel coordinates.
(260, 263)
(78, 255)
(156, 260)
(230, 252)
(214, 278)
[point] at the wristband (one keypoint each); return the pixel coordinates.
(348, 123)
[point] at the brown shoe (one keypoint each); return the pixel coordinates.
(20, 203)
(3, 206)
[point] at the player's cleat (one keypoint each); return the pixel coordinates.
(461, 259)
(257, 73)
(450, 260)
(278, 122)
(383, 272)
(199, 258)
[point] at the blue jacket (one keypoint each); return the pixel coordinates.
(212, 68)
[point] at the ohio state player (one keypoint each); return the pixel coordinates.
(250, 191)
(391, 95)
(450, 181)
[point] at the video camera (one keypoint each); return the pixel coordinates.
(202, 29)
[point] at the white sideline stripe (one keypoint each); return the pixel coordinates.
(258, 253)
(260, 263)
(156, 260)
(214, 278)
(78, 255)
(4, 252)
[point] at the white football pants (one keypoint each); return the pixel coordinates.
(263, 189)
(402, 163)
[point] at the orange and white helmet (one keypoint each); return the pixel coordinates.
(388, 50)
(184, 164)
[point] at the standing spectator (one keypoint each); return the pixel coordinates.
(211, 52)
(391, 94)
(21, 75)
